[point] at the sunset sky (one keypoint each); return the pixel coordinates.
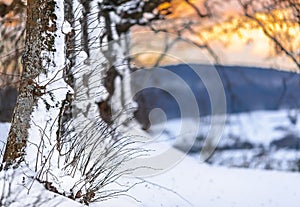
(248, 46)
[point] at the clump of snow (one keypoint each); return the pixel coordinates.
(66, 27)
(18, 188)
(102, 94)
(82, 56)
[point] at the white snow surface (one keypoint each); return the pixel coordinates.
(259, 127)
(189, 183)
(66, 27)
(202, 185)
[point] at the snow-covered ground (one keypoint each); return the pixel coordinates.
(259, 139)
(259, 127)
(194, 183)
(187, 184)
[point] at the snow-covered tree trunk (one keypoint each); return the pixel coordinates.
(74, 95)
(56, 129)
(47, 73)
(118, 18)
(40, 28)
(118, 105)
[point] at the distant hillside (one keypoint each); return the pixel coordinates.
(246, 89)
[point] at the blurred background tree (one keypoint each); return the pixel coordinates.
(12, 40)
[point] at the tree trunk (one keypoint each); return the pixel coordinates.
(119, 106)
(29, 90)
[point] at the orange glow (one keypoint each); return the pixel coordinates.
(244, 30)
(164, 6)
(181, 9)
(230, 30)
(7, 2)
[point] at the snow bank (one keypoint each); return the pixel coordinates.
(189, 183)
(193, 184)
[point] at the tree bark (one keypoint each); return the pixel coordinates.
(38, 15)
